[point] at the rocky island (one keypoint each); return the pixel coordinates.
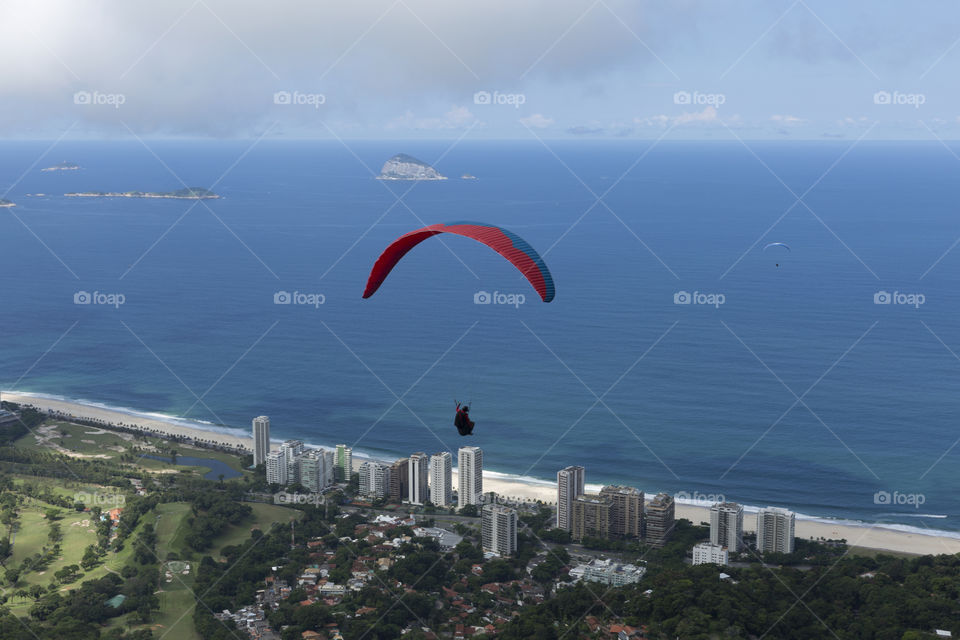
(404, 167)
(63, 166)
(468, 176)
(190, 193)
(6, 203)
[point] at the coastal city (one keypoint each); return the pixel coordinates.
(346, 546)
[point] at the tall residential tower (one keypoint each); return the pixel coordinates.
(726, 525)
(469, 476)
(441, 479)
(775, 530)
(570, 484)
(261, 439)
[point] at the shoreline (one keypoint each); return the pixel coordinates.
(887, 537)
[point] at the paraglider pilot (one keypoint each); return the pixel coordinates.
(462, 421)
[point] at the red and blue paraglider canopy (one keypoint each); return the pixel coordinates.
(506, 243)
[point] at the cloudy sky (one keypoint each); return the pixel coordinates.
(618, 69)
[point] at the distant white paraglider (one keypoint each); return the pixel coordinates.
(778, 244)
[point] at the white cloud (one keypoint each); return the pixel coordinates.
(787, 120)
(455, 118)
(537, 121)
(705, 117)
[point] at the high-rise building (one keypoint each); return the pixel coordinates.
(626, 516)
(706, 553)
(469, 476)
(344, 463)
(374, 479)
(328, 467)
(277, 468)
(775, 530)
(726, 525)
(499, 529)
(312, 473)
(591, 516)
(398, 479)
(570, 484)
(441, 479)
(261, 439)
(418, 474)
(659, 520)
(292, 450)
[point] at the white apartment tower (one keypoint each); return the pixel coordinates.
(374, 479)
(418, 490)
(499, 529)
(775, 530)
(570, 484)
(277, 468)
(469, 476)
(441, 479)
(726, 525)
(261, 439)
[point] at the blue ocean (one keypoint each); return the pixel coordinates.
(824, 377)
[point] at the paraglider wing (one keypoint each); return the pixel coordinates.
(777, 244)
(508, 244)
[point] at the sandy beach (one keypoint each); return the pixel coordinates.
(872, 537)
(108, 416)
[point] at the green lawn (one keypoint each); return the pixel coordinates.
(263, 516)
(171, 622)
